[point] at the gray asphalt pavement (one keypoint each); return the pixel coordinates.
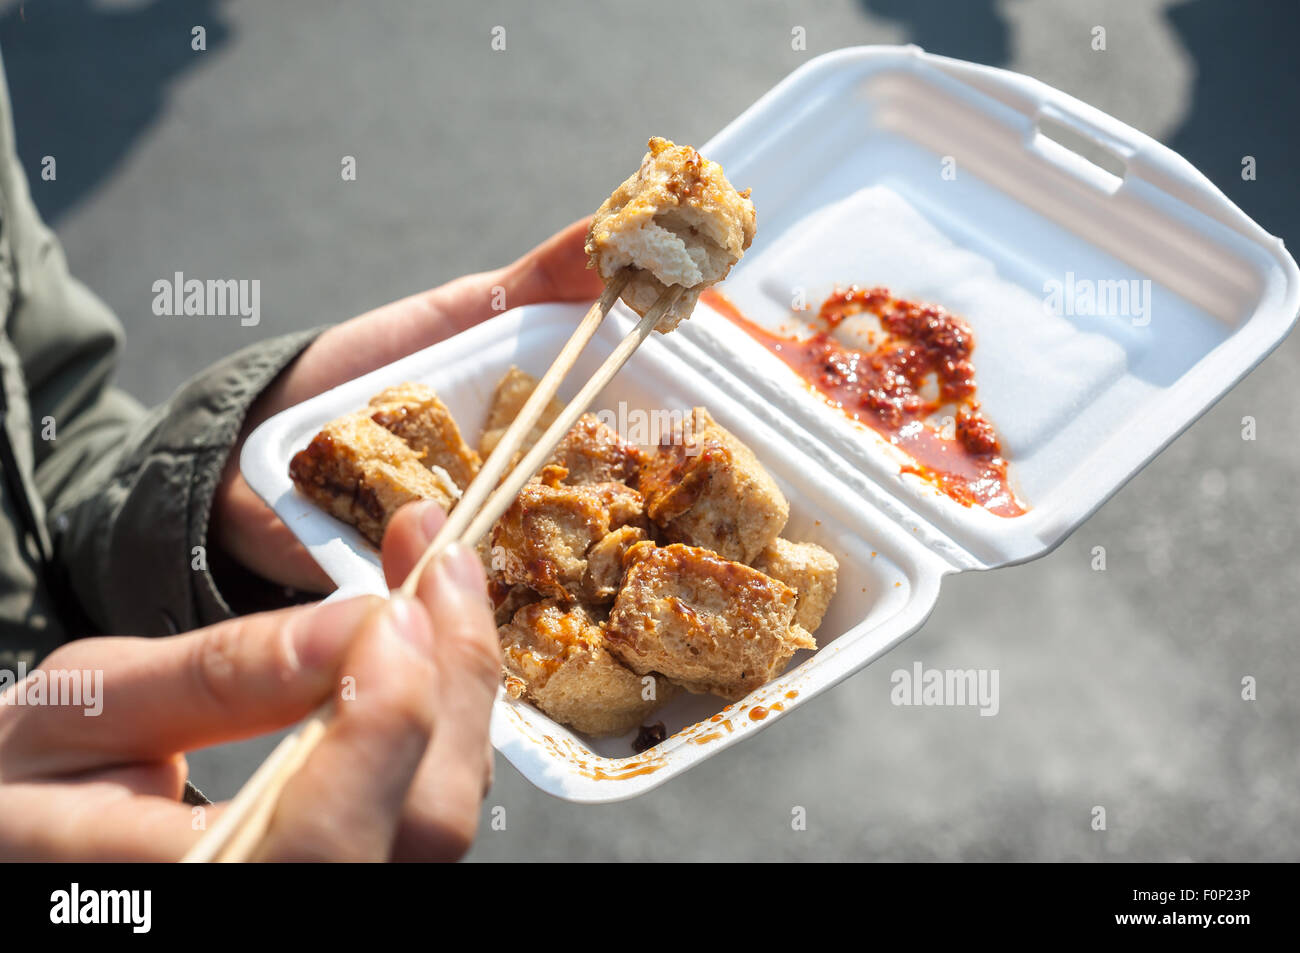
(1119, 688)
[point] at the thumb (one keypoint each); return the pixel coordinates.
(345, 802)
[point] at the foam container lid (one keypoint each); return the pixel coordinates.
(936, 178)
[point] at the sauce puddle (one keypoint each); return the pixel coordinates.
(922, 347)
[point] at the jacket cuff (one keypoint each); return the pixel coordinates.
(146, 570)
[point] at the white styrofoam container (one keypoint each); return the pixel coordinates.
(1083, 403)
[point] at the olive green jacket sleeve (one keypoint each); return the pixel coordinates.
(105, 504)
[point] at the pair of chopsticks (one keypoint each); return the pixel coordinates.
(237, 833)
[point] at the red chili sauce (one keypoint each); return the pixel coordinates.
(882, 388)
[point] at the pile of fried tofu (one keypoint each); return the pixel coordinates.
(621, 574)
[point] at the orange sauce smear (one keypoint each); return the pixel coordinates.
(881, 388)
(600, 774)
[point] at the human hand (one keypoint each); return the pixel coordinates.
(401, 770)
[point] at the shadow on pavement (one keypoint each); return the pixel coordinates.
(971, 30)
(1244, 104)
(87, 80)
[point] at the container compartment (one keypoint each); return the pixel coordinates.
(888, 581)
(942, 181)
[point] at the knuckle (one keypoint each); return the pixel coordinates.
(215, 662)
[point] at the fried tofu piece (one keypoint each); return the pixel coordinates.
(604, 575)
(361, 473)
(541, 541)
(554, 654)
(705, 623)
(593, 452)
(414, 413)
(705, 488)
(676, 221)
(511, 394)
(806, 568)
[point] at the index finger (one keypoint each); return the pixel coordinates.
(148, 699)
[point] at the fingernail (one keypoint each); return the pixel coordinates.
(431, 520)
(463, 569)
(318, 634)
(409, 623)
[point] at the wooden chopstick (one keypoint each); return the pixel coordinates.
(541, 451)
(241, 828)
(503, 454)
(477, 523)
(242, 825)
(247, 816)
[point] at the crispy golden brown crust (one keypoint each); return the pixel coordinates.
(593, 452)
(512, 391)
(704, 487)
(806, 568)
(541, 541)
(579, 537)
(414, 413)
(676, 221)
(361, 473)
(555, 654)
(705, 623)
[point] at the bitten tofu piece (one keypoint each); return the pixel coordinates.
(554, 654)
(705, 488)
(361, 473)
(806, 568)
(705, 623)
(593, 452)
(512, 392)
(414, 413)
(541, 541)
(676, 221)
